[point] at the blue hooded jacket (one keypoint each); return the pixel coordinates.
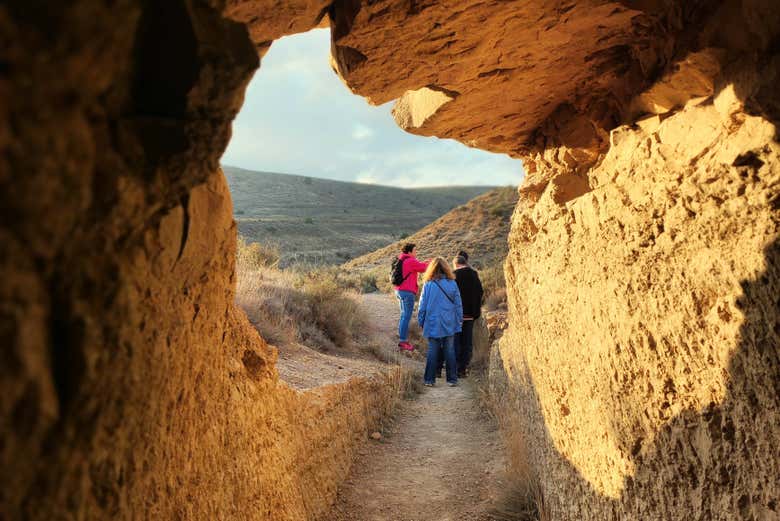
(436, 314)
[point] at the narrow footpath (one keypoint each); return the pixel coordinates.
(440, 460)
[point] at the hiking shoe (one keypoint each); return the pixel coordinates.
(427, 384)
(406, 346)
(452, 384)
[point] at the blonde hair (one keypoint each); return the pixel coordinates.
(436, 268)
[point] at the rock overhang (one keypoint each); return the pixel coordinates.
(515, 73)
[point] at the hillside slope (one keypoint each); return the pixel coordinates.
(480, 227)
(322, 221)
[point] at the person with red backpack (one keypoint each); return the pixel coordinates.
(404, 279)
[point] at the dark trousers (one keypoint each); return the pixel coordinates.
(464, 344)
(464, 347)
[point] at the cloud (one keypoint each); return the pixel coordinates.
(368, 177)
(360, 132)
(299, 118)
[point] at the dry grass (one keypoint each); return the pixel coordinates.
(365, 282)
(494, 284)
(256, 256)
(480, 227)
(409, 384)
(522, 499)
(290, 306)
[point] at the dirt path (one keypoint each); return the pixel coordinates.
(440, 461)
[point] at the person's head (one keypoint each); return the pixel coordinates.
(437, 269)
(459, 261)
(465, 256)
(409, 248)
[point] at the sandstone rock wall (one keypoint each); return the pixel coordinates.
(644, 334)
(132, 388)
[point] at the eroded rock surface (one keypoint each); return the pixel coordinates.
(508, 66)
(642, 360)
(645, 327)
(268, 20)
(132, 387)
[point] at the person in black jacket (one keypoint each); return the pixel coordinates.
(471, 296)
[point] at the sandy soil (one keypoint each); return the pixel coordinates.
(441, 460)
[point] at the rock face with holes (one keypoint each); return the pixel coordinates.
(644, 327)
(641, 365)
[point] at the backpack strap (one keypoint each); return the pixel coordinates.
(445, 293)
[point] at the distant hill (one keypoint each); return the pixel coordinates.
(320, 221)
(481, 227)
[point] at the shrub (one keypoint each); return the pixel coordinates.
(288, 306)
(335, 314)
(308, 220)
(497, 211)
(253, 255)
(494, 285)
(368, 283)
(358, 281)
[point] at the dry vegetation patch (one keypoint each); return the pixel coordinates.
(308, 307)
(522, 498)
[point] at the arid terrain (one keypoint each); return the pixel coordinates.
(319, 221)
(480, 226)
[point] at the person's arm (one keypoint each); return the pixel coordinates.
(416, 266)
(423, 307)
(480, 290)
(458, 307)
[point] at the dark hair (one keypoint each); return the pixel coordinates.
(408, 247)
(463, 254)
(460, 260)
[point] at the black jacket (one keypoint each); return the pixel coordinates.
(470, 291)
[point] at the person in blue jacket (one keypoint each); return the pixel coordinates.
(440, 314)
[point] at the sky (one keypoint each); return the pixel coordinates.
(299, 118)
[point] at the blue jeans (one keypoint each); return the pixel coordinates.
(406, 300)
(447, 345)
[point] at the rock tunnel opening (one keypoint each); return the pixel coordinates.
(133, 388)
(326, 189)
